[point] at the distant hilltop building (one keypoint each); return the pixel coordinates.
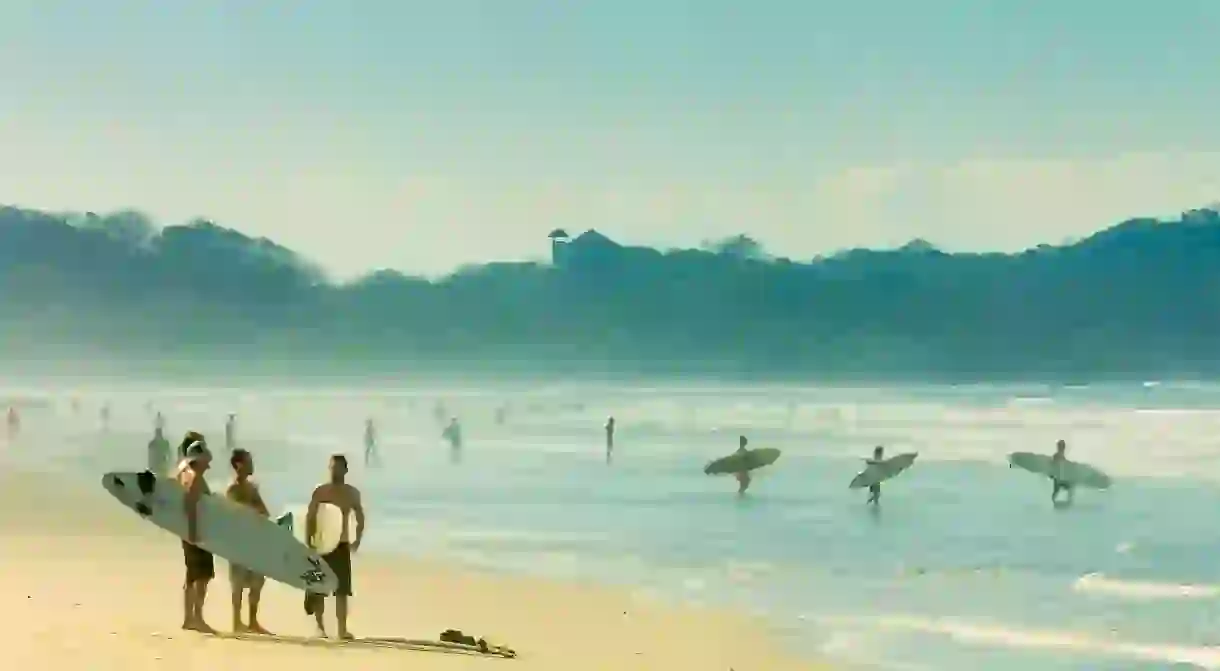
(559, 244)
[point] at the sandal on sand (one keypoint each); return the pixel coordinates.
(456, 636)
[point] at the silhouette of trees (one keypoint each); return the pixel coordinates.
(1140, 299)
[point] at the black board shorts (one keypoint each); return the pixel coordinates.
(340, 561)
(199, 563)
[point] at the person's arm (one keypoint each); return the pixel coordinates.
(358, 508)
(191, 504)
(311, 517)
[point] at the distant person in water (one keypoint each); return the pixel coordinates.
(1057, 485)
(501, 415)
(231, 432)
(370, 442)
(453, 434)
(874, 491)
(743, 476)
(200, 565)
(245, 492)
(609, 439)
(104, 416)
(439, 412)
(159, 421)
(159, 457)
(13, 420)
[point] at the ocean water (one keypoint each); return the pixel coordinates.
(966, 564)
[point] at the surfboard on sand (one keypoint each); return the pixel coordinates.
(877, 473)
(1068, 472)
(226, 529)
(329, 529)
(742, 461)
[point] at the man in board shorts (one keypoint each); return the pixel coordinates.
(200, 566)
(346, 498)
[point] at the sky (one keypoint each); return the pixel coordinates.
(422, 136)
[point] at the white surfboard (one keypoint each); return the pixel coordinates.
(880, 472)
(226, 529)
(329, 531)
(1068, 472)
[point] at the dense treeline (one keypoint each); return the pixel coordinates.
(1140, 300)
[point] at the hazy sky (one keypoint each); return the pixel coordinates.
(424, 135)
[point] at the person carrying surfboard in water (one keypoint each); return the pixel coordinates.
(346, 498)
(874, 490)
(743, 476)
(200, 565)
(244, 492)
(1058, 485)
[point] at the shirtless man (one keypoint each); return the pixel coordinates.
(347, 499)
(245, 492)
(200, 566)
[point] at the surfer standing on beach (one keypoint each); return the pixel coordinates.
(243, 491)
(200, 565)
(874, 490)
(743, 476)
(346, 498)
(1057, 485)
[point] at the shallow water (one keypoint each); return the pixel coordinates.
(966, 565)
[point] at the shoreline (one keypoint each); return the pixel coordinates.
(95, 584)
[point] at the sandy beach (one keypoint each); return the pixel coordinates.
(91, 586)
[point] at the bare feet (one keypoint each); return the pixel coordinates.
(346, 636)
(256, 628)
(320, 631)
(199, 626)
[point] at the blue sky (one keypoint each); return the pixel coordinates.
(425, 135)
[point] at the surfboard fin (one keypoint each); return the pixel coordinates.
(147, 482)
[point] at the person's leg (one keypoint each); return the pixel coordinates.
(256, 595)
(341, 616)
(237, 585)
(342, 565)
(188, 587)
(319, 609)
(206, 571)
(188, 602)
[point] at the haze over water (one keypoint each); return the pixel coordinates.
(966, 565)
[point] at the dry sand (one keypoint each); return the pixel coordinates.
(90, 586)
